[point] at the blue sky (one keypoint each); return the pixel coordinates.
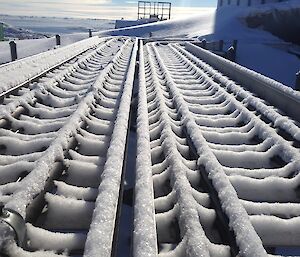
(107, 9)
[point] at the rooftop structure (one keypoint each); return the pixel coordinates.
(154, 10)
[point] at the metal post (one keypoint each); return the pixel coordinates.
(238, 2)
(1, 32)
(13, 50)
(57, 40)
(230, 54)
(297, 86)
(221, 45)
(90, 33)
(249, 2)
(203, 43)
(263, 1)
(234, 44)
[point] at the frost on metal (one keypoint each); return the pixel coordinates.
(277, 94)
(19, 71)
(248, 149)
(100, 236)
(217, 168)
(56, 146)
(144, 235)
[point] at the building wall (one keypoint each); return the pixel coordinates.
(246, 2)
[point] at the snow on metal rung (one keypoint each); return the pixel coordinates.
(247, 148)
(58, 155)
(217, 169)
(20, 71)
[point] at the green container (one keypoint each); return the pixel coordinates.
(1, 32)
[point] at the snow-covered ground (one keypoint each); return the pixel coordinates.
(25, 48)
(56, 25)
(70, 29)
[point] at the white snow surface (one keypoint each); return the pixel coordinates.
(184, 27)
(228, 187)
(19, 71)
(71, 30)
(257, 83)
(35, 181)
(100, 235)
(203, 99)
(144, 236)
(247, 239)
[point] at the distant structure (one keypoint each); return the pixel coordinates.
(246, 2)
(154, 10)
(148, 12)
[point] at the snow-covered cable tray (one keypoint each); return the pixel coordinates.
(217, 167)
